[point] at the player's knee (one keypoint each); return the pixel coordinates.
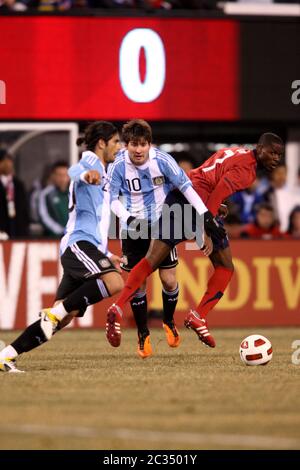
(168, 281)
(115, 284)
(152, 260)
(228, 264)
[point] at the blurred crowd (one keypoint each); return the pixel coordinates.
(43, 211)
(64, 5)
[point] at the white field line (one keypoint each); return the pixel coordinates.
(198, 439)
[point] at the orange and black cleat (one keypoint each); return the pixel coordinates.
(172, 334)
(144, 346)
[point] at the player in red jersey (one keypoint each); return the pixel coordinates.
(227, 171)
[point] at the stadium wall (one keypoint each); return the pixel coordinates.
(265, 290)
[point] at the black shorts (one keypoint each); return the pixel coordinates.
(185, 226)
(134, 250)
(81, 261)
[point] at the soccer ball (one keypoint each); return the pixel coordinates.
(256, 350)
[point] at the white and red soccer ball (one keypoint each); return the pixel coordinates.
(256, 350)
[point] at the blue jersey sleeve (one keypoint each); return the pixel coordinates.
(173, 172)
(116, 179)
(75, 171)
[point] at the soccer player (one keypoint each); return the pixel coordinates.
(227, 171)
(89, 271)
(144, 175)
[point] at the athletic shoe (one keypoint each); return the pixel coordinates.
(144, 346)
(199, 325)
(113, 327)
(9, 365)
(172, 334)
(48, 322)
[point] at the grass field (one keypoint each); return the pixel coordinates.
(80, 393)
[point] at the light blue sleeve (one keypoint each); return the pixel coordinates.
(116, 179)
(75, 171)
(173, 172)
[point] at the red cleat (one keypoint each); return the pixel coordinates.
(113, 325)
(199, 325)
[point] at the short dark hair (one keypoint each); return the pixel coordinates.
(266, 206)
(268, 138)
(59, 164)
(95, 131)
(135, 130)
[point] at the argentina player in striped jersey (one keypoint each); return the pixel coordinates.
(144, 176)
(89, 273)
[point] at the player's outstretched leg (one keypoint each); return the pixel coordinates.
(29, 339)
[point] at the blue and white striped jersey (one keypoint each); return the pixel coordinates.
(143, 189)
(89, 206)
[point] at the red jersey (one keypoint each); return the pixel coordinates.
(224, 173)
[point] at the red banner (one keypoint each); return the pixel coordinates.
(265, 289)
(119, 68)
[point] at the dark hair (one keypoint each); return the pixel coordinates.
(269, 138)
(268, 207)
(135, 130)
(59, 164)
(294, 211)
(264, 205)
(96, 131)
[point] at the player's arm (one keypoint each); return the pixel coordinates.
(179, 179)
(116, 182)
(84, 171)
(236, 179)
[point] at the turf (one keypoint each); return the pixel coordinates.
(80, 393)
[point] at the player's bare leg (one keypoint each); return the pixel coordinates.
(35, 334)
(196, 319)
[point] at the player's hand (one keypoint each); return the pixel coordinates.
(92, 177)
(207, 247)
(223, 211)
(116, 260)
(212, 227)
(136, 224)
